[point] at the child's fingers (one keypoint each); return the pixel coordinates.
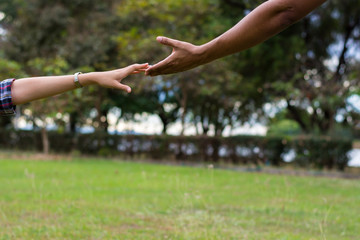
(136, 67)
(123, 87)
(139, 71)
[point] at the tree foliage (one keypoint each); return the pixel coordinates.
(311, 67)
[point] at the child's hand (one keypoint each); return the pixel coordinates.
(112, 79)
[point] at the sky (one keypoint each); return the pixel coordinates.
(151, 124)
(2, 31)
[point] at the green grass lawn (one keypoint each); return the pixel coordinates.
(89, 199)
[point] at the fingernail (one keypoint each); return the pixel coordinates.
(129, 90)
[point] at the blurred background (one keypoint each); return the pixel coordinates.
(293, 100)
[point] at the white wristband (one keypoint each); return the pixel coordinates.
(76, 80)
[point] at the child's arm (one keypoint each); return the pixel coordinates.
(267, 20)
(29, 89)
(20, 91)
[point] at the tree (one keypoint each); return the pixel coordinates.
(79, 32)
(44, 112)
(296, 65)
(292, 68)
(180, 91)
(314, 89)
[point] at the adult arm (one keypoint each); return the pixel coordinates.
(265, 21)
(29, 89)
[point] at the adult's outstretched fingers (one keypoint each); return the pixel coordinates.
(169, 42)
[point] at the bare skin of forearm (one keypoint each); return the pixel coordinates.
(29, 89)
(265, 21)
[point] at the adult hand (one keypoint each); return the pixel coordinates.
(184, 56)
(112, 79)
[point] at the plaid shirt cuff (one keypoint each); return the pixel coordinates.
(6, 106)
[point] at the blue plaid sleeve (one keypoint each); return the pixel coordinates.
(6, 106)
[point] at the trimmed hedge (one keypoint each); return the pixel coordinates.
(310, 151)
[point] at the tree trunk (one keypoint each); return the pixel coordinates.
(73, 121)
(196, 123)
(45, 140)
(164, 120)
(165, 123)
(104, 124)
(183, 114)
(297, 117)
(205, 121)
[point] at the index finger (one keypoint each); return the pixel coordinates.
(137, 67)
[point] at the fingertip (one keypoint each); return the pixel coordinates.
(160, 39)
(128, 89)
(141, 66)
